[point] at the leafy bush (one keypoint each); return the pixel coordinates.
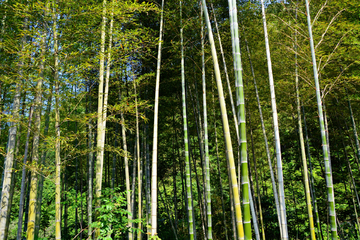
(112, 218)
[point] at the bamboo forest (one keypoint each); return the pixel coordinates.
(179, 119)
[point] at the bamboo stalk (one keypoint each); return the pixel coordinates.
(100, 120)
(283, 220)
(229, 150)
(57, 129)
(186, 142)
(240, 102)
(328, 172)
(302, 145)
(155, 135)
(36, 143)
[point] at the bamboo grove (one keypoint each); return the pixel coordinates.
(181, 119)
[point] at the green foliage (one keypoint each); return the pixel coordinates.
(112, 219)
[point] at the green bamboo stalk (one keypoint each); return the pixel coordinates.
(100, 120)
(303, 157)
(57, 129)
(226, 76)
(147, 179)
(283, 220)
(240, 100)
(90, 160)
(36, 143)
(328, 173)
(349, 168)
(206, 140)
(302, 145)
(312, 178)
(139, 163)
(228, 144)
(23, 177)
(155, 136)
(275, 191)
(354, 127)
(175, 148)
(201, 193)
(256, 179)
(218, 166)
(355, 210)
(186, 143)
(43, 156)
(127, 174)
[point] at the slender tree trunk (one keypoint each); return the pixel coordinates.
(219, 172)
(312, 178)
(186, 138)
(230, 94)
(26, 210)
(9, 158)
(113, 172)
(240, 99)
(155, 136)
(100, 119)
(147, 178)
(350, 169)
(354, 128)
(168, 211)
(57, 130)
(201, 201)
(1, 99)
(302, 148)
(23, 179)
(43, 157)
(127, 174)
(356, 214)
(227, 77)
(90, 179)
(228, 144)
(139, 164)
(257, 180)
(36, 143)
(202, 194)
(265, 137)
(328, 172)
(206, 140)
(276, 132)
(175, 146)
(133, 186)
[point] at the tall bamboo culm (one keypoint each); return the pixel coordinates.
(303, 154)
(328, 173)
(9, 158)
(206, 138)
(228, 144)
(36, 141)
(354, 127)
(155, 135)
(284, 230)
(100, 127)
(57, 130)
(186, 139)
(240, 102)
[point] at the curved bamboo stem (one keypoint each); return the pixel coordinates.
(328, 172)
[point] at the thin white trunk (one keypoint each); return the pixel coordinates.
(155, 136)
(283, 220)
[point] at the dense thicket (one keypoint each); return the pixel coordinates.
(61, 60)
